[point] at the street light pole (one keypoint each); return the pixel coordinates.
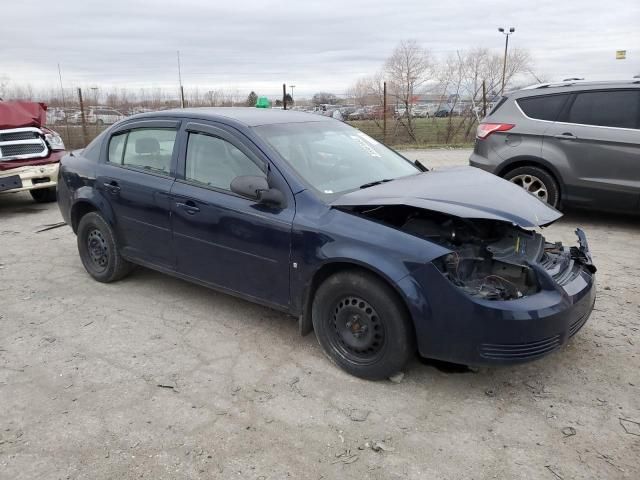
(506, 47)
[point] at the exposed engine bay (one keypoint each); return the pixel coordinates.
(490, 259)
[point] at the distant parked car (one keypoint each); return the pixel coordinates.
(443, 113)
(358, 114)
(570, 143)
(420, 112)
(55, 115)
(98, 116)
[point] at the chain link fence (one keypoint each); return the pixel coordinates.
(422, 125)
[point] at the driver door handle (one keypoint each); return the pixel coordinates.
(566, 136)
(188, 206)
(112, 187)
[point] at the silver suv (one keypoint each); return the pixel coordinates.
(571, 143)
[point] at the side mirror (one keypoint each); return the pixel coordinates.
(256, 188)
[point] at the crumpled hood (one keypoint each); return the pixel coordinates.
(22, 114)
(465, 192)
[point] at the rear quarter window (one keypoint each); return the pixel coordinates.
(498, 105)
(545, 107)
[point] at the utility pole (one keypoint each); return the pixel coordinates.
(284, 96)
(384, 112)
(484, 98)
(506, 47)
(82, 118)
(180, 82)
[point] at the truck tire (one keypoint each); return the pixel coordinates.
(44, 195)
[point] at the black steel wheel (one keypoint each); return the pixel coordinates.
(98, 249)
(358, 332)
(362, 325)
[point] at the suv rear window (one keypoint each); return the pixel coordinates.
(619, 108)
(546, 107)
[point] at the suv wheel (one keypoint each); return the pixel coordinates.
(537, 182)
(44, 195)
(362, 325)
(98, 250)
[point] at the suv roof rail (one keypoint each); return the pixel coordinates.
(579, 81)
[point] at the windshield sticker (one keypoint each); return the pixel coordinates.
(365, 147)
(367, 138)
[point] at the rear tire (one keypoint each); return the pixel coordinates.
(362, 325)
(538, 182)
(44, 195)
(99, 251)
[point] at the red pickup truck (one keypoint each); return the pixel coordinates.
(29, 152)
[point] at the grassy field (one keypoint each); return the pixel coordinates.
(456, 131)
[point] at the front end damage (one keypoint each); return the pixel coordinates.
(515, 296)
(29, 152)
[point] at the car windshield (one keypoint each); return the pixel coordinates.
(333, 157)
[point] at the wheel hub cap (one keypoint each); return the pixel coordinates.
(533, 185)
(98, 250)
(357, 327)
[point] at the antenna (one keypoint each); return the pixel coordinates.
(180, 82)
(64, 105)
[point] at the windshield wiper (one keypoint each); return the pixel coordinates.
(377, 182)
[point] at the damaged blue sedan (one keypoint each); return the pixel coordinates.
(307, 215)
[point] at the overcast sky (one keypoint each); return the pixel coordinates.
(315, 45)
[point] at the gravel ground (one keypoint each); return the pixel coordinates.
(154, 377)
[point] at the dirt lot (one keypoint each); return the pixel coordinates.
(153, 377)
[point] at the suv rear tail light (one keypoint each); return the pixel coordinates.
(486, 129)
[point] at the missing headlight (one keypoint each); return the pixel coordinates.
(481, 276)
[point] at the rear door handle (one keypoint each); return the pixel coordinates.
(566, 136)
(188, 206)
(112, 187)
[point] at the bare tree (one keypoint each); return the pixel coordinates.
(408, 69)
(461, 77)
(368, 90)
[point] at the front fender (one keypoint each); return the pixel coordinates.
(345, 240)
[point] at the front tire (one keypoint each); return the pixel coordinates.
(537, 182)
(44, 195)
(362, 325)
(99, 251)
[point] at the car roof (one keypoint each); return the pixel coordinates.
(248, 116)
(573, 86)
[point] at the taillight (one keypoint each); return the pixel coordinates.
(486, 129)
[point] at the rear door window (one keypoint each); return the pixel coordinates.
(545, 107)
(150, 149)
(611, 108)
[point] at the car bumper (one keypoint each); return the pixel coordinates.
(29, 177)
(456, 327)
(478, 161)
